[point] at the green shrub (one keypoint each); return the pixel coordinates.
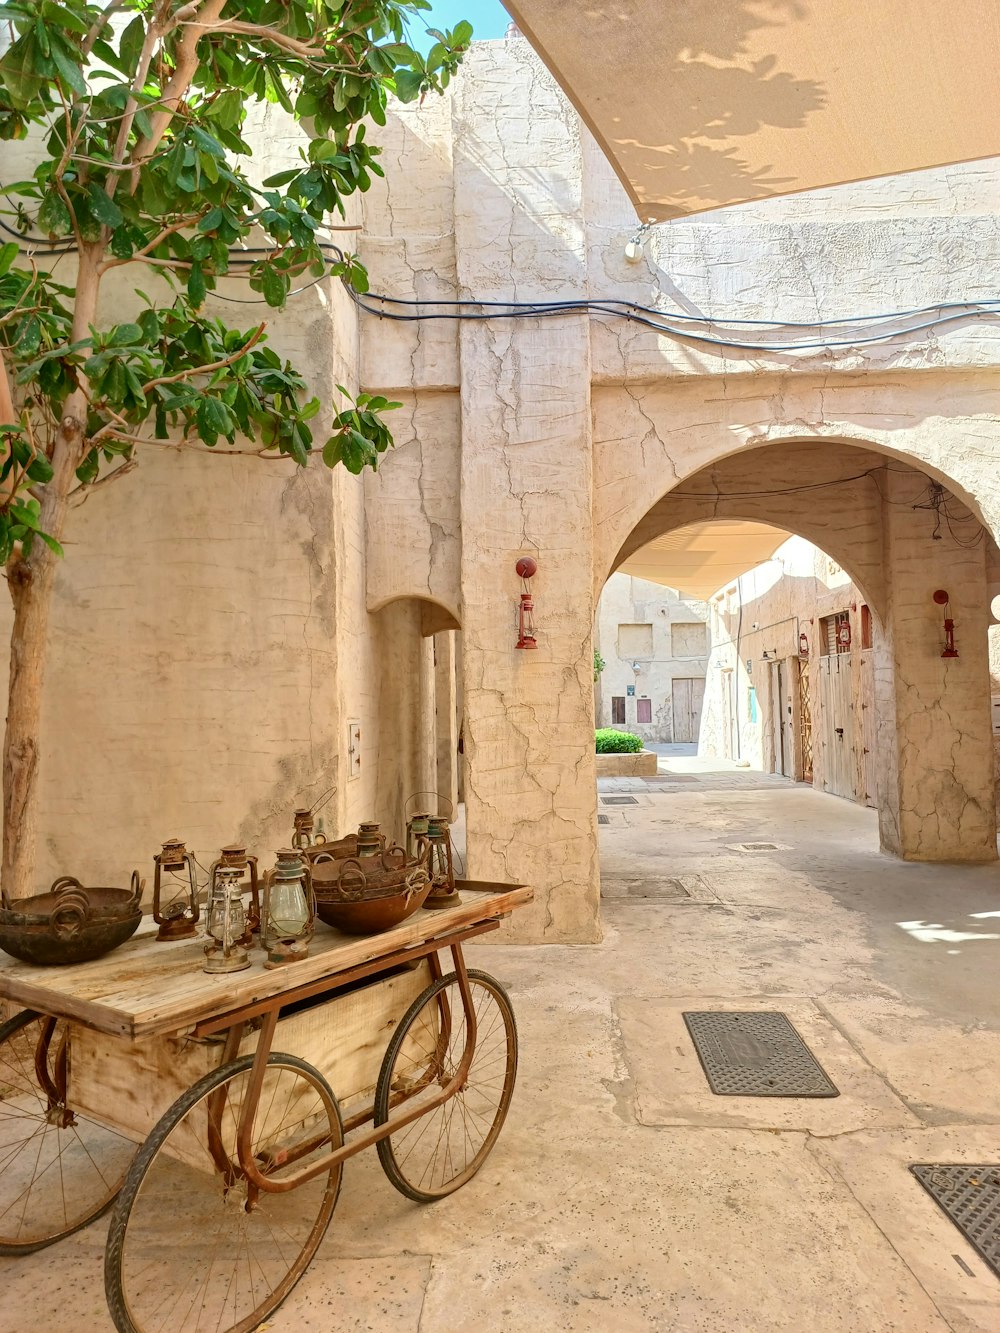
(617, 742)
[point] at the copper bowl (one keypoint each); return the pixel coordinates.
(368, 916)
(70, 924)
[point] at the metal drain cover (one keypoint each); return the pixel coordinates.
(970, 1195)
(604, 819)
(756, 1054)
(619, 800)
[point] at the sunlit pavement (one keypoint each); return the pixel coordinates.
(623, 1195)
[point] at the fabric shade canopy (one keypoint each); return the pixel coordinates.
(700, 104)
(703, 557)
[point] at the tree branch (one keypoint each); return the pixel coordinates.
(150, 246)
(307, 51)
(255, 337)
(85, 488)
(184, 69)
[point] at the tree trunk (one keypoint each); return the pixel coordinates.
(30, 581)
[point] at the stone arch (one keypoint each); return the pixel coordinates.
(436, 616)
(648, 432)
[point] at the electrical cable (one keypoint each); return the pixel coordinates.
(676, 325)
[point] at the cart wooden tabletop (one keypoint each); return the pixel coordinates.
(147, 988)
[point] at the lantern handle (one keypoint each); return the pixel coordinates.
(436, 795)
(138, 887)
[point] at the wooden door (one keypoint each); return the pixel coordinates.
(781, 721)
(687, 696)
(867, 791)
(838, 725)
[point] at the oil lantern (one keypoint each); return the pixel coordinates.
(440, 864)
(236, 857)
(178, 915)
(226, 922)
(289, 911)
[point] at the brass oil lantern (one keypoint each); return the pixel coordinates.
(236, 857)
(416, 835)
(304, 833)
(289, 910)
(440, 864)
(178, 916)
(226, 922)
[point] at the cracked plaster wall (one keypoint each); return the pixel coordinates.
(566, 434)
(526, 489)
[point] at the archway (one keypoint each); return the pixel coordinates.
(902, 536)
(416, 711)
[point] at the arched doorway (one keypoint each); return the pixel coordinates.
(903, 537)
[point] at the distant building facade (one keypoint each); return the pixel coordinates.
(655, 646)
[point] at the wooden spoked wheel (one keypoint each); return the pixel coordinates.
(435, 1154)
(192, 1246)
(59, 1169)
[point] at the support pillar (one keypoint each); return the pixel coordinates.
(936, 781)
(526, 490)
(447, 721)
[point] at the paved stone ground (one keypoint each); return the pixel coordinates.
(622, 1194)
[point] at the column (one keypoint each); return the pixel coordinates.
(936, 782)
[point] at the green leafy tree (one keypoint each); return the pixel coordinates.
(138, 109)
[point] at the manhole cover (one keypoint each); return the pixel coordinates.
(756, 1054)
(619, 887)
(970, 1195)
(619, 800)
(604, 819)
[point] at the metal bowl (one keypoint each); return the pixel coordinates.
(70, 924)
(368, 916)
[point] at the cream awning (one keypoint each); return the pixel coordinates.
(703, 103)
(703, 557)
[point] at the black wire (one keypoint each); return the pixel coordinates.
(477, 311)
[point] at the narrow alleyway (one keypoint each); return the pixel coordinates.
(623, 1195)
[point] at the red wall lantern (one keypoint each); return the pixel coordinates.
(803, 644)
(526, 569)
(942, 599)
(844, 635)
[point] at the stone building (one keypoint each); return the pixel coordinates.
(791, 679)
(233, 637)
(654, 644)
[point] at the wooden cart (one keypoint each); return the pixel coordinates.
(241, 1090)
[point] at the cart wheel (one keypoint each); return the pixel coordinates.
(433, 1156)
(58, 1168)
(189, 1247)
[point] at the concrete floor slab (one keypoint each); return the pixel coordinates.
(874, 1166)
(671, 1087)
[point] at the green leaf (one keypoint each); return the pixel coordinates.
(103, 208)
(274, 285)
(408, 84)
(53, 216)
(8, 253)
(89, 468)
(125, 334)
(462, 33)
(196, 285)
(68, 70)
